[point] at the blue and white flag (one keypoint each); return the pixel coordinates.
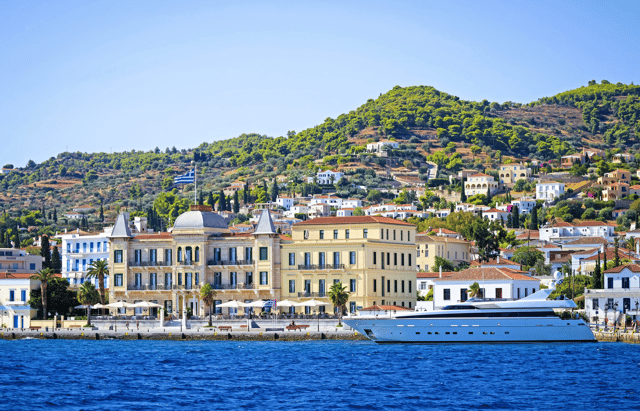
(185, 178)
(270, 303)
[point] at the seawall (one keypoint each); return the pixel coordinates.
(628, 337)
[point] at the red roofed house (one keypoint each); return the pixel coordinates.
(495, 282)
(620, 296)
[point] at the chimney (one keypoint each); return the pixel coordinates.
(498, 260)
(440, 272)
(637, 246)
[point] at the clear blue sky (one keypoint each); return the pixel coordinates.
(110, 75)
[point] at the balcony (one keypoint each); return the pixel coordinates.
(321, 267)
(149, 264)
(230, 262)
(309, 294)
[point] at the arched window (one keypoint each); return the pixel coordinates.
(197, 259)
(179, 254)
(188, 255)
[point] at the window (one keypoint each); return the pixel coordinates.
(91, 247)
(463, 294)
(179, 278)
(374, 258)
(336, 281)
(389, 286)
(346, 234)
(167, 281)
(498, 292)
(335, 234)
(395, 258)
(322, 234)
(153, 257)
(307, 286)
(23, 295)
(387, 233)
(98, 246)
(292, 286)
(352, 257)
(382, 233)
(32, 266)
(12, 295)
(610, 282)
(188, 257)
(264, 277)
(217, 254)
(625, 282)
(68, 247)
(84, 247)
(446, 294)
(248, 277)
(409, 236)
(197, 256)
(307, 259)
(394, 235)
(117, 256)
(402, 286)
(401, 235)
(409, 258)
(264, 253)
(167, 256)
(395, 286)
(352, 307)
(321, 259)
(365, 233)
(336, 258)
(388, 258)
(179, 254)
(402, 259)
(375, 286)
(410, 290)
(138, 278)
(233, 279)
(117, 280)
(292, 259)
(321, 285)
(352, 285)
(248, 253)
(153, 280)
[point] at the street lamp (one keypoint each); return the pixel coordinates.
(606, 318)
(615, 315)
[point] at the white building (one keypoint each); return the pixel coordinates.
(549, 191)
(18, 261)
(335, 202)
(285, 202)
(381, 146)
(479, 184)
(620, 296)
(495, 282)
(424, 282)
(564, 232)
(344, 212)
(493, 214)
(326, 177)
(351, 203)
(15, 291)
(297, 209)
(79, 251)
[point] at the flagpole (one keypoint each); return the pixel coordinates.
(195, 180)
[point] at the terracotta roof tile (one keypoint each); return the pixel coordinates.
(588, 240)
(428, 275)
(156, 236)
(634, 268)
(486, 273)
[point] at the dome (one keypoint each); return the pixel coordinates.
(199, 219)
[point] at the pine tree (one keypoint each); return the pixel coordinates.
(45, 252)
(236, 202)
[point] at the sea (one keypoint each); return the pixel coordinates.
(337, 375)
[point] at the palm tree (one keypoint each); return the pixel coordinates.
(339, 296)
(88, 295)
(45, 276)
(474, 290)
(631, 243)
(99, 269)
(207, 293)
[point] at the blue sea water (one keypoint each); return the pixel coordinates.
(151, 375)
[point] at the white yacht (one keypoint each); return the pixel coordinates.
(530, 319)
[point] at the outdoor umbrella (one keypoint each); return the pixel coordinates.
(232, 304)
(286, 303)
(256, 304)
(311, 303)
(146, 304)
(119, 304)
(84, 307)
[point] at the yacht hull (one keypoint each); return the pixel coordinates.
(470, 330)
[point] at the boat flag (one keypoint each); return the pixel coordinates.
(185, 178)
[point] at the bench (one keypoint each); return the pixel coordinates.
(75, 326)
(224, 327)
(297, 327)
(35, 327)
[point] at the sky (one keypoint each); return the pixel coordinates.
(117, 76)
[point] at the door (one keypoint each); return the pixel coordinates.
(15, 321)
(626, 304)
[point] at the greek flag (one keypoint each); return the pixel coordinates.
(185, 178)
(270, 303)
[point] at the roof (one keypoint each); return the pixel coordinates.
(634, 268)
(353, 220)
(588, 240)
(439, 239)
(503, 261)
(265, 224)
(494, 210)
(121, 227)
(486, 273)
(200, 219)
(428, 275)
(480, 175)
(611, 255)
(385, 308)
(589, 223)
(551, 246)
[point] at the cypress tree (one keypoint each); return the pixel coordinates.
(616, 260)
(222, 202)
(274, 191)
(55, 215)
(597, 273)
(463, 195)
(604, 266)
(228, 206)
(236, 202)
(200, 198)
(515, 220)
(45, 251)
(246, 192)
(210, 200)
(56, 261)
(7, 240)
(534, 218)
(509, 220)
(265, 188)
(101, 214)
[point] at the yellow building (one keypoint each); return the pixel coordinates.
(616, 176)
(170, 268)
(430, 246)
(372, 256)
(480, 184)
(510, 173)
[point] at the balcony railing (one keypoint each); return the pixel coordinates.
(307, 295)
(230, 262)
(239, 286)
(149, 264)
(320, 266)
